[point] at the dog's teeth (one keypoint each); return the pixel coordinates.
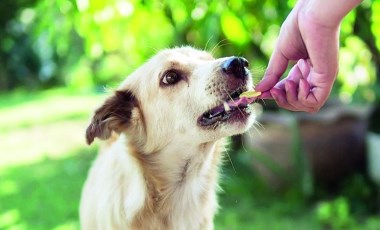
(227, 107)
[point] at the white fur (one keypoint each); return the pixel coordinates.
(103, 201)
(162, 171)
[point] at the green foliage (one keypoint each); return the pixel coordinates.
(375, 20)
(336, 214)
(357, 198)
(89, 43)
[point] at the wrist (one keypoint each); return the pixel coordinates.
(327, 13)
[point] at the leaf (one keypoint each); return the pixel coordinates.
(233, 28)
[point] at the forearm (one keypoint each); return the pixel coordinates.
(328, 12)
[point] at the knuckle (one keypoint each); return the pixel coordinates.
(310, 102)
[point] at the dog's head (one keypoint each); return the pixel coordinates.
(178, 96)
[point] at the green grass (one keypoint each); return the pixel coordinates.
(247, 204)
(43, 158)
(22, 110)
(44, 195)
(44, 162)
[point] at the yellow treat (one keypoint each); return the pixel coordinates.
(250, 94)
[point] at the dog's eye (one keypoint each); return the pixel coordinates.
(171, 78)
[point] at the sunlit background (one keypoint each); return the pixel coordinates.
(295, 171)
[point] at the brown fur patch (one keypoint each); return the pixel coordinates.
(113, 115)
(162, 192)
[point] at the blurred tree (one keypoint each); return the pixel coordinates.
(370, 35)
(9, 35)
(87, 43)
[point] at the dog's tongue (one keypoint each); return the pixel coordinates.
(240, 102)
(244, 99)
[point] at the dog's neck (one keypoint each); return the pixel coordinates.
(181, 177)
(179, 164)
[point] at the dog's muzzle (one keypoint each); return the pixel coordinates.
(231, 108)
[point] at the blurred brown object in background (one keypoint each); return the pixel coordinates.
(333, 141)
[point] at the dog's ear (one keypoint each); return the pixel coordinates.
(113, 115)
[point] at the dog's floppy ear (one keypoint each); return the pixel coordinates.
(113, 115)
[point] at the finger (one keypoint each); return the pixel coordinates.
(292, 96)
(298, 92)
(307, 98)
(294, 75)
(304, 90)
(280, 98)
(305, 67)
(291, 93)
(265, 95)
(276, 67)
(314, 95)
(297, 74)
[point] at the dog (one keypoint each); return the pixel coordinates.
(165, 127)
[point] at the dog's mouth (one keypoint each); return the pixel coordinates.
(233, 106)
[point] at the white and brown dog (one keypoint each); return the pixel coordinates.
(161, 169)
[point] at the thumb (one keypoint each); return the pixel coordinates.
(276, 67)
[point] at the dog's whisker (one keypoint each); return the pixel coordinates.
(216, 46)
(232, 164)
(225, 44)
(229, 96)
(225, 90)
(243, 144)
(255, 127)
(258, 124)
(219, 44)
(153, 48)
(208, 42)
(262, 100)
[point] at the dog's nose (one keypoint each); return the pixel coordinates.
(236, 66)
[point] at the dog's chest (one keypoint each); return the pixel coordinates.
(190, 205)
(188, 199)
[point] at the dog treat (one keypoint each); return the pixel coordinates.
(245, 98)
(250, 93)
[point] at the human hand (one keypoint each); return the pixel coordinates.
(311, 37)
